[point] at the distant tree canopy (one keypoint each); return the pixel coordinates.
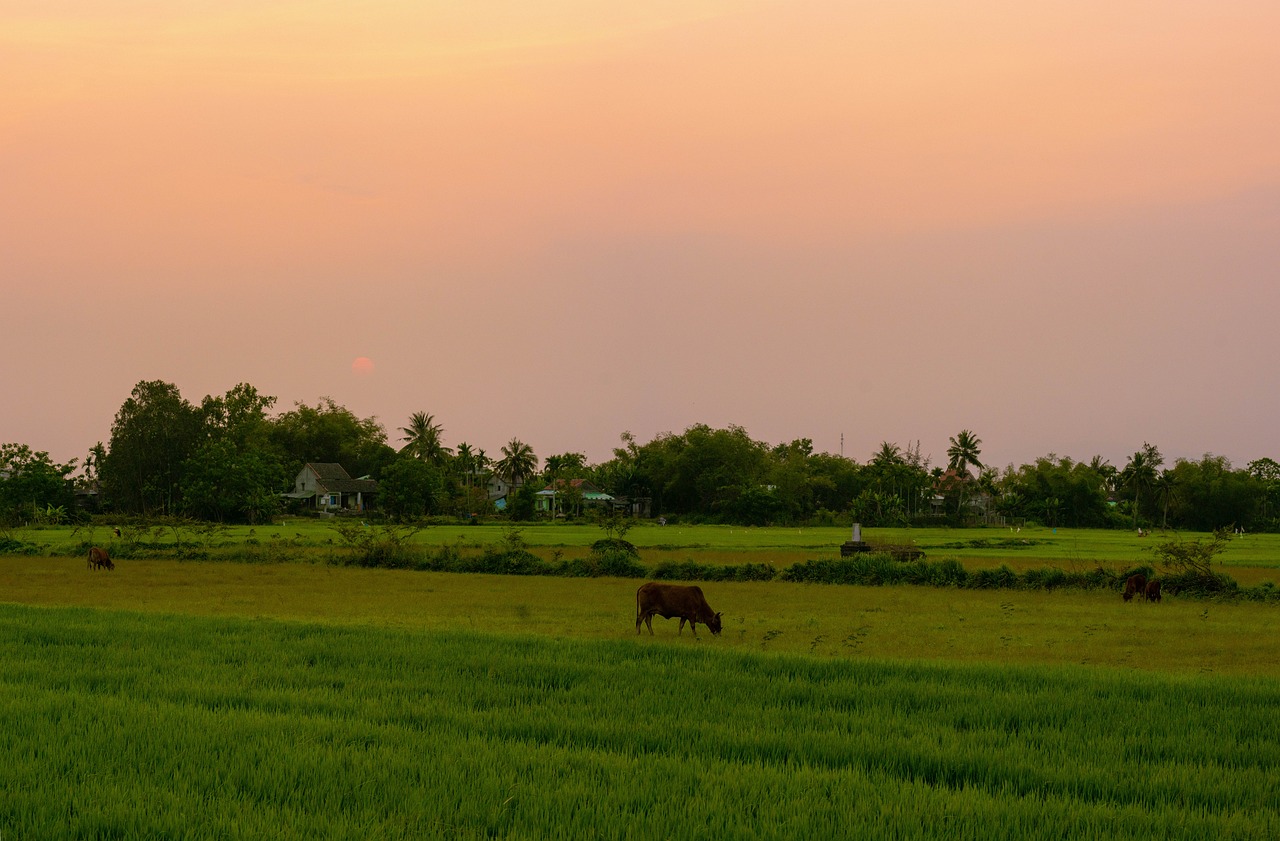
(32, 486)
(228, 459)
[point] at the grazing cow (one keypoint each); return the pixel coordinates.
(672, 600)
(1136, 584)
(98, 559)
(1153, 591)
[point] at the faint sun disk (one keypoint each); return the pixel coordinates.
(362, 365)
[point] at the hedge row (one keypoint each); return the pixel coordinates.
(867, 570)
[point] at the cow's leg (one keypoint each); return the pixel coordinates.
(680, 631)
(648, 621)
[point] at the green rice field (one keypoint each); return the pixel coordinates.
(203, 699)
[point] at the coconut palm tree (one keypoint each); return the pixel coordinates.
(423, 437)
(888, 455)
(963, 452)
(1140, 474)
(1166, 488)
(465, 461)
(518, 463)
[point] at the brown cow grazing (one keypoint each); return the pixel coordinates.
(672, 600)
(1153, 591)
(1136, 584)
(98, 559)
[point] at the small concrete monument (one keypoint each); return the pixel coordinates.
(855, 544)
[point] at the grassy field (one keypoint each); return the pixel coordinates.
(129, 725)
(1023, 626)
(1251, 560)
(200, 699)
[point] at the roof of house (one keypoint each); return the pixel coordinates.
(325, 470)
(332, 478)
(588, 489)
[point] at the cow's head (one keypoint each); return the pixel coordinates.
(714, 624)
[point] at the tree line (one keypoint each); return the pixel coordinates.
(230, 457)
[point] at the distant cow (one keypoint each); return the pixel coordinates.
(98, 559)
(1137, 584)
(1153, 591)
(672, 600)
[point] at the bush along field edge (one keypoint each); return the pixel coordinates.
(1187, 566)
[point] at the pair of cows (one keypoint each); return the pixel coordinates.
(688, 603)
(1139, 586)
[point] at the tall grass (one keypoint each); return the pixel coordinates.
(123, 725)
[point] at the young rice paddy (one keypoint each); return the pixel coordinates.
(183, 699)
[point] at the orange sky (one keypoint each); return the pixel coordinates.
(1052, 223)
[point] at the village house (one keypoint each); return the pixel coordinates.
(574, 494)
(328, 487)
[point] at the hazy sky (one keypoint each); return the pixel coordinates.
(1054, 223)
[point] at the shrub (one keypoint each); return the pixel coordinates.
(994, 579)
(1189, 565)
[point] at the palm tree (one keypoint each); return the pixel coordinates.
(423, 437)
(1106, 472)
(964, 451)
(1166, 487)
(465, 461)
(517, 464)
(1140, 474)
(888, 455)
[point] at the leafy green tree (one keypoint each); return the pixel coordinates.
(410, 488)
(155, 432)
(1055, 490)
(329, 433)
(226, 483)
(423, 439)
(522, 502)
(31, 483)
(1266, 472)
(833, 481)
(566, 466)
(709, 468)
(1211, 495)
(236, 472)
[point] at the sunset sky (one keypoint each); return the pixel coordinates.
(1056, 224)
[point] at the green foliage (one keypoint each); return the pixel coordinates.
(378, 545)
(154, 434)
(615, 523)
(410, 489)
(999, 578)
(33, 488)
(246, 729)
(693, 571)
(518, 464)
(1189, 564)
(1056, 491)
(522, 504)
(422, 437)
(329, 433)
